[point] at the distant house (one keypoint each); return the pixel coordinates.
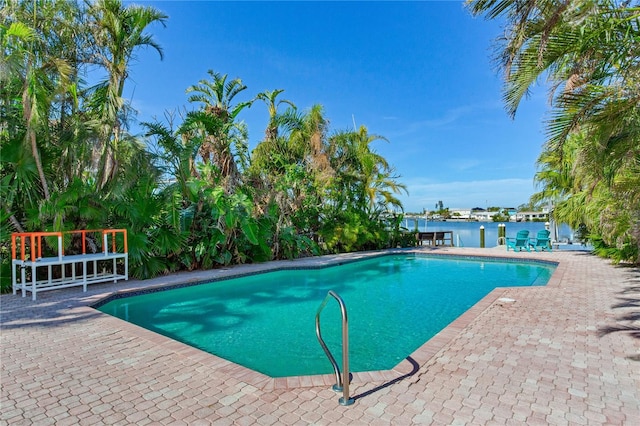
(531, 216)
(483, 215)
(460, 213)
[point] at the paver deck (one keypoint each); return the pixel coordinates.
(534, 355)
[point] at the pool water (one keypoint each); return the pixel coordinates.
(266, 322)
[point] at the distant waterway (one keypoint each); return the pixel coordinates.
(467, 234)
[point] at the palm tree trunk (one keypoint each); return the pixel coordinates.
(36, 157)
(31, 135)
(12, 218)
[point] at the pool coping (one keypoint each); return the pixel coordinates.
(405, 368)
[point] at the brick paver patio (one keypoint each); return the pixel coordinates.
(535, 355)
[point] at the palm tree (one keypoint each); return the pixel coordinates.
(367, 175)
(275, 120)
(42, 74)
(222, 138)
(308, 143)
(117, 32)
(588, 50)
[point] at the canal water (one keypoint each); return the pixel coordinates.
(467, 234)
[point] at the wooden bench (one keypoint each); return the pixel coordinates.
(435, 238)
(30, 271)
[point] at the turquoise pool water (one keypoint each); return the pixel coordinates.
(266, 322)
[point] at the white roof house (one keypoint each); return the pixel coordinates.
(460, 213)
(530, 216)
(484, 216)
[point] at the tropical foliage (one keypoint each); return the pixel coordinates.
(187, 188)
(590, 164)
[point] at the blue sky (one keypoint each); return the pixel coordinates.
(418, 73)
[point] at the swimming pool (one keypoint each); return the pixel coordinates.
(266, 322)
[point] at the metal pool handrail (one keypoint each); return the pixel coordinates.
(342, 383)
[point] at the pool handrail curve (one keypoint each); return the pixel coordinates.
(342, 383)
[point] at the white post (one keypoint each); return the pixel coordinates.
(60, 248)
(552, 225)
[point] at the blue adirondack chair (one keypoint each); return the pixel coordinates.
(542, 241)
(520, 242)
